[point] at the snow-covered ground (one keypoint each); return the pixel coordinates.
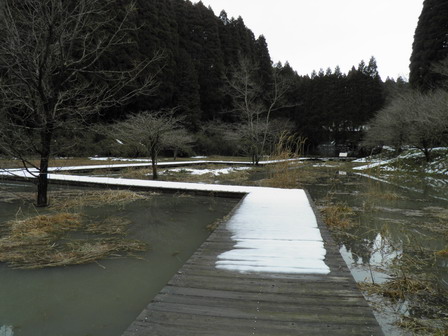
(438, 166)
(432, 185)
(216, 172)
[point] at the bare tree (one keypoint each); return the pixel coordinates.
(415, 119)
(53, 72)
(179, 141)
(253, 108)
(154, 131)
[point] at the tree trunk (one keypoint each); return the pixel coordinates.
(42, 188)
(42, 179)
(427, 153)
(155, 176)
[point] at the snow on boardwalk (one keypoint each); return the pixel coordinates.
(275, 230)
(270, 269)
(162, 164)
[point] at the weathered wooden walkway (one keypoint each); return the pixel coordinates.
(271, 269)
(242, 295)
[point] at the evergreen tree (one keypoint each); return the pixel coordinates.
(223, 17)
(187, 96)
(264, 63)
(430, 44)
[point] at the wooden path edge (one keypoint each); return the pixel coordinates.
(200, 300)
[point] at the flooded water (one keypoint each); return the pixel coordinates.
(396, 218)
(102, 299)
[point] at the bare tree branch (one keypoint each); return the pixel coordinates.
(254, 109)
(54, 71)
(154, 130)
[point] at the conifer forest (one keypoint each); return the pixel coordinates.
(209, 72)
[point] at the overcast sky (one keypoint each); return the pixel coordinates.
(314, 34)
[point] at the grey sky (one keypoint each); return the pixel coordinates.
(313, 34)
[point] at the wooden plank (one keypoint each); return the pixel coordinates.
(203, 300)
(169, 323)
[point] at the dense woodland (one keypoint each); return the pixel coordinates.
(430, 46)
(201, 52)
(75, 74)
(197, 55)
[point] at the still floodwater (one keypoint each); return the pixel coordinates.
(396, 218)
(103, 299)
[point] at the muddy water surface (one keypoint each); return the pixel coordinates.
(394, 217)
(102, 299)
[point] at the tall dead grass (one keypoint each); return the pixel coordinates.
(338, 216)
(413, 286)
(286, 172)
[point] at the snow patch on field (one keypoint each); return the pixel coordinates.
(98, 158)
(438, 166)
(222, 171)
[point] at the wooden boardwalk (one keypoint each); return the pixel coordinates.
(205, 299)
(271, 269)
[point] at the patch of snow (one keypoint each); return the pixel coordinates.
(6, 330)
(275, 231)
(373, 165)
(96, 158)
(215, 172)
(323, 165)
(400, 186)
(363, 160)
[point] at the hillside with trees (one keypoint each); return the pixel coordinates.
(200, 52)
(67, 67)
(417, 116)
(430, 45)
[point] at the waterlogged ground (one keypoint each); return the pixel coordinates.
(103, 298)
(399, 231)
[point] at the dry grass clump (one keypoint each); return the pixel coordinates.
(109, 226)
(388, 196)
(137, 173)
(43, 226)
(285, 173)
(414, 286)
(96, 199)
(442, 253)
(63, 239)
(338, 216)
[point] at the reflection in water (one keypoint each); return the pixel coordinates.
(401, 226)
(6, 331)
(103, 298)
